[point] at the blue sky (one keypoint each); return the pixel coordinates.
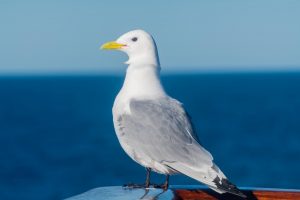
(64, 36)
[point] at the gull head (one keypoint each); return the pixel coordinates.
(138, 45)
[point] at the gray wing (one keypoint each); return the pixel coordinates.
(162, 130)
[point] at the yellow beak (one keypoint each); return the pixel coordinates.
(112, 45)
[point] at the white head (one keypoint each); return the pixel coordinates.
(138, 45)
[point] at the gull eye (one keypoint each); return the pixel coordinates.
(134, 39)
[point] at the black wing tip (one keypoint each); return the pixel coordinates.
(225, 185)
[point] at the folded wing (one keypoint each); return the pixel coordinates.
(161, 129)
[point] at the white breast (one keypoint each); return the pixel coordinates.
(140, 83)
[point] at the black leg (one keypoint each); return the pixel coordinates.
(164, 186)
(147, 184)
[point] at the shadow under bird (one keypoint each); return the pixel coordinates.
(153, 128)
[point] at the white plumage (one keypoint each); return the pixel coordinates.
(154, 129)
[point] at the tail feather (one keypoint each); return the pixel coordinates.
(225, 185)
(211, 176)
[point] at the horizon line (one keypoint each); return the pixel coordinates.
(163, 72)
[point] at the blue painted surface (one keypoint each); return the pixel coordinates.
(57, 137)
(119, 193)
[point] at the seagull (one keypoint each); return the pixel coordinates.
(153, 128)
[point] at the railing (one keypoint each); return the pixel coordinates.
(184, 193)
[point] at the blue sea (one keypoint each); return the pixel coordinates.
(57, 137)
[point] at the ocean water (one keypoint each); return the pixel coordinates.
(57, 137)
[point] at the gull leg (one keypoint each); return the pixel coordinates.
(164, 186)
(146, 185)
